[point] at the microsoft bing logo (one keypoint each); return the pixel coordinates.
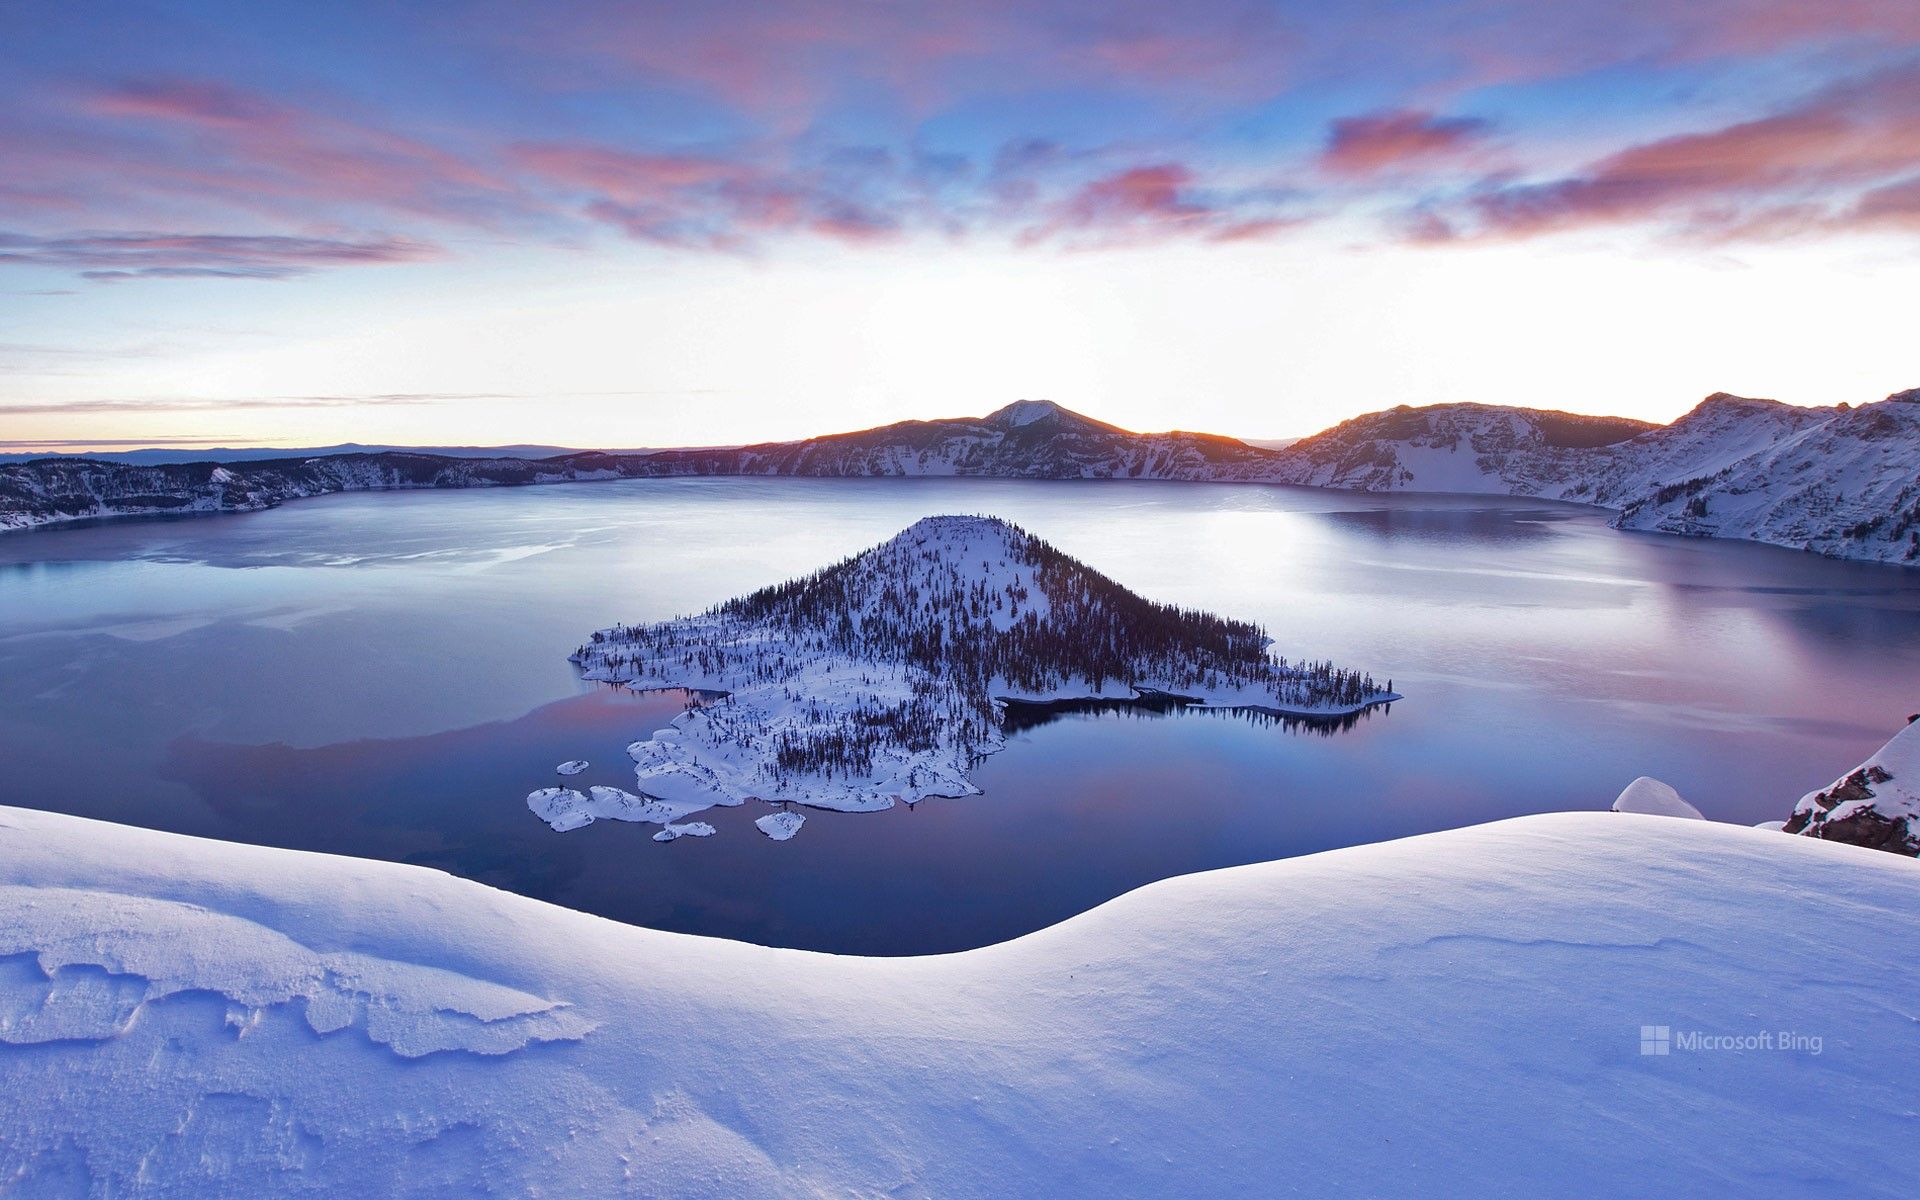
(1663, 1040)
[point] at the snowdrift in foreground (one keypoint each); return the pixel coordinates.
(1458, 1014)
(1877, 804)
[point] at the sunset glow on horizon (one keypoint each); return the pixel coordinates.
(598, 224)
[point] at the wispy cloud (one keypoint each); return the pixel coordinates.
(1157, 202)
(78, 407)
(1845, 158)
(199, 255)
(176, 404)
(189, 440)
(731, 127)
(1376, 143)
(218, 141)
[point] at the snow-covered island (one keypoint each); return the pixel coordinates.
(878, 680)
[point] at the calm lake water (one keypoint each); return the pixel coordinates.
(387, 675)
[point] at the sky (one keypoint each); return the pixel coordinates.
(589, 223)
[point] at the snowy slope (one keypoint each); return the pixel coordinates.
(1453, 1015)
(1028, 439)
(1840, 481)
(1846, 484)
(1452, 448)
(1716, 433)
(876, 681)
(1877, 804)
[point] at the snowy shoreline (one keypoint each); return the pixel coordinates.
(1733, 468)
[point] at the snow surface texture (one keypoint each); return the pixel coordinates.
(1877, 804)
(1842, 481)
(1453, 1015)
(572, 766)
(875, 681)
(1650, 797)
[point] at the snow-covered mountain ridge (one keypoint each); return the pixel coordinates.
(878, 680)
(1841, 481)
(181, 1017)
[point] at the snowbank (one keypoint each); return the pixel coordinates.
(1458, 1014)
(1652, 798)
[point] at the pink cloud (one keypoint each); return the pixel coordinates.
(109, 256)
(624, 176)
(712, 202)
(1154, 202)
(185, 100)
(1380, 142)
(1895, 204)
(212, 142)
(786, 59)
(1151, 193)
(1798, 170)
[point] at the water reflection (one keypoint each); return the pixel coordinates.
(1019, 716)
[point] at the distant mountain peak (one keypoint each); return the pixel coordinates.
(1023, 413)
(1026, 412)
(1728, 399)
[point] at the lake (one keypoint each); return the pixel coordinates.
(386, 675)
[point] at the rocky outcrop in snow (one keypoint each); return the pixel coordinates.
(875, 681)
(1877, 804)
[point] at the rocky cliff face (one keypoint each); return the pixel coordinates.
(1841, 481)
